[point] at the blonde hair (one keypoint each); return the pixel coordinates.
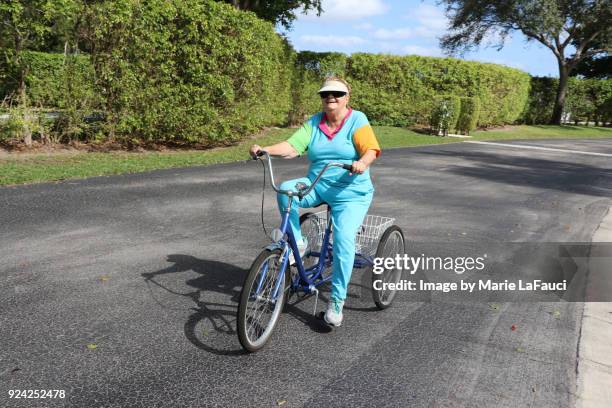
(336, 78)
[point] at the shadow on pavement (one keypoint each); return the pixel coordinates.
(211, 324)
(524, 171)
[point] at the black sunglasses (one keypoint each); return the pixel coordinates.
(335, 94)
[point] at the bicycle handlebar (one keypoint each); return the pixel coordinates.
(300, 194)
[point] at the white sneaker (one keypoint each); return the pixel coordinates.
(302, 247)
(333, 315)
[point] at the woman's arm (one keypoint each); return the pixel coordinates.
(282, 149)
(361, 165)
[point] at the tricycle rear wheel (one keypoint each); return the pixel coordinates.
(390, 245)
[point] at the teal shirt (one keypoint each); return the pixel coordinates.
(341, 148)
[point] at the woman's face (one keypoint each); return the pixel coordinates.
(334, 103)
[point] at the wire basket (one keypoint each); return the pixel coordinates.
(367, 237)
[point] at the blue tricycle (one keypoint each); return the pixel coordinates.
(271, 279)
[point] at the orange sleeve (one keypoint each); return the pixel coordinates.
(364, 140)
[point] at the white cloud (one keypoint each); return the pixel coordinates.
(426, 32)
(344, 10)
(332, 41)
(396, 34)
(429, 23)
(430, 17)
(399, 49)
(364, 26)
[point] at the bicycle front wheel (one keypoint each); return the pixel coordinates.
(391, 244)
(259, 307)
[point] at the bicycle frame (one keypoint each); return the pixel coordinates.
(310, 278)
(307, 279)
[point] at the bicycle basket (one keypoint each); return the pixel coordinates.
(367, 236)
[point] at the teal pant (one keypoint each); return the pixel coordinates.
(348, 209)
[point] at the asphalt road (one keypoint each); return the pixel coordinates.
(148, 268)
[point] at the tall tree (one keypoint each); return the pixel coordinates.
(27, 24)
(599, 67)
(277, 11)
(595, 66)
(557, 24)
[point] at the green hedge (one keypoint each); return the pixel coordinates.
(469, 115)
(49, 76)
(401, 90)
(541, 101)
(189, 71)
(57, 82)
(200, 71)
(586, 100)
(398, 90)
(589, 100)
(54, 79)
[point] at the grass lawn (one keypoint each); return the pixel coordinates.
(544, 132)
(33, 168)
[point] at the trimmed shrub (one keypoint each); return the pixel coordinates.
(195, 71)
(541, 100)
(445, 114)
(56, 82)
(468, 116)
(387, 90)
(401, 90)
(599, 93)
(50, 75)
(54, 79)
(398, 90)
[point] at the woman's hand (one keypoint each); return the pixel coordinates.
(282, 149)
(358, 167)
(254, 149)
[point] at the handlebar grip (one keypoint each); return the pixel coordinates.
(347, 167)
(259, 153)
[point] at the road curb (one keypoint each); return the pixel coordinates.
(595, 344)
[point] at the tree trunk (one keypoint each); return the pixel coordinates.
(26, 130)
(561, 92)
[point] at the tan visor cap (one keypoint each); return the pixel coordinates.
(333, 86)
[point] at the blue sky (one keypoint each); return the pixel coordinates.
(402, 28)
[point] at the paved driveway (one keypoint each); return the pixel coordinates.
(148, 268)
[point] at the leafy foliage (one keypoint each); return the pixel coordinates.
(188, 71)
(401, 91)
(595, 67)
(26, 24)
(541, 100)
(469, 114)
(554, 23)
(445, 114)
(277, 11)
(62, 83)
(587, 100)
(200, 71)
